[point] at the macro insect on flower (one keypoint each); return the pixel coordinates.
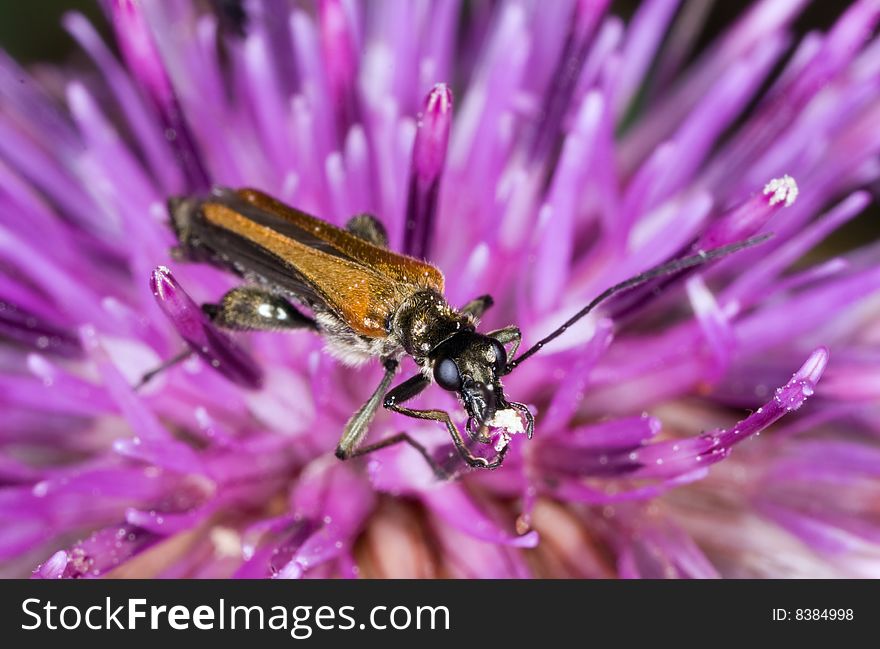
(583, 146)
(370, 302)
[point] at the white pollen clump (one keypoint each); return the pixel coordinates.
(502, 441)
(780, 190)
(507, 419)
(509, 422)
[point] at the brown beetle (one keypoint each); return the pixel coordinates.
(367, 301)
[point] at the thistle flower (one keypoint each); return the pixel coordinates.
(539, 152)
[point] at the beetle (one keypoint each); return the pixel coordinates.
(367, 301)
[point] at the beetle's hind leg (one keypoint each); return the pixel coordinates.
(368, 228)
(171, 362)
(250, 308)
(246, 308)
(439, 471)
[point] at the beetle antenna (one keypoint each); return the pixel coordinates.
(698, 259)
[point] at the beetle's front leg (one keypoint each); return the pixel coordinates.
(413, 386)
(506, 336)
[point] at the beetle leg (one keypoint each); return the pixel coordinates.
(358, 424)
(171, 362)
(368, 228)
(506, 336)
(478, 306)
(530, 419)
(407, 390)
(439, 471)
(246, 308)
(249, 308)
(356, 428)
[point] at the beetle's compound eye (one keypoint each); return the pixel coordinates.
(446, 374)
(500, 357)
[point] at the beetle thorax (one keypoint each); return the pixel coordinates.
(424, 320)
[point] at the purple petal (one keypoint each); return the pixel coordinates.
(428, 161)
(567, 399)
(147, 131)
(470, 557)
(658, 550)
(715, 324)
(667, 463)
(101, 552)
(339, 50)
(215, 347)
(31, 330)
(452, 504)
(581, 30)
(747, 219)
(143, 60)
(53, 567)
(330, 504)
(143, 421)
